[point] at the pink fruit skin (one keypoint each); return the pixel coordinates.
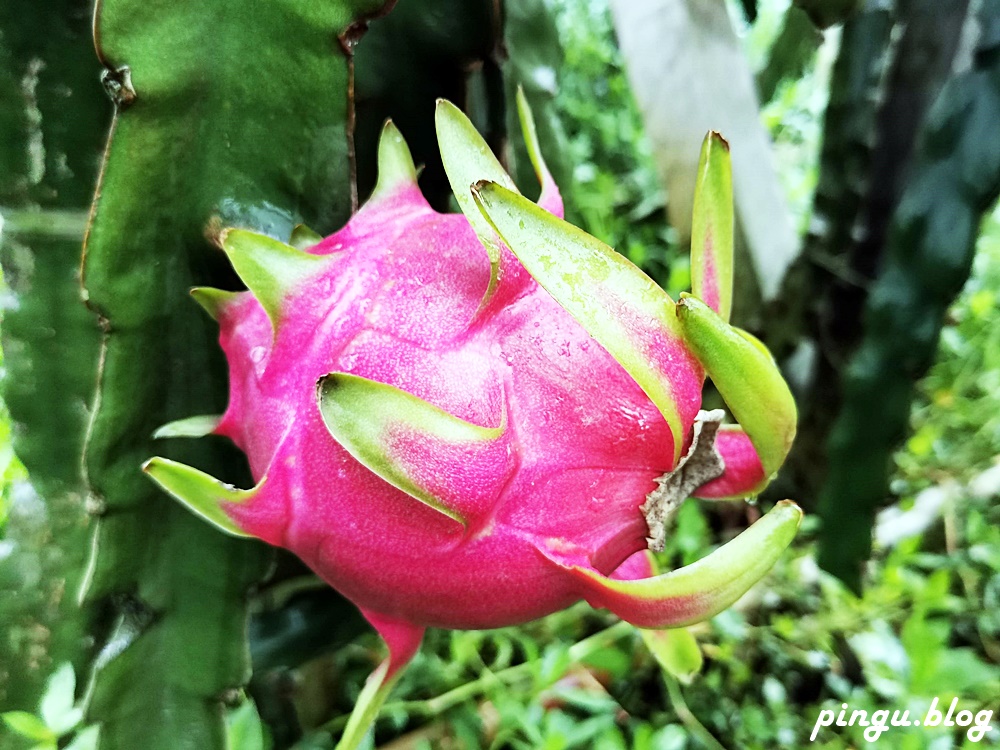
(399, 304)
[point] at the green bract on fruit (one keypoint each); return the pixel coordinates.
(469, 421)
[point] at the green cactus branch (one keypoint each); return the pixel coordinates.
(955, 178)
(227, 115)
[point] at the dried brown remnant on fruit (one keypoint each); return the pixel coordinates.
(702, 463)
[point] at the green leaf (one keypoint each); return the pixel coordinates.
(529, 132)
(244, 730)
(201, 493)
(28, 725)
(213, 301)
(236, 117)
(191, 427)
(467, 160)
(409, 442)
(697, 591)
(57, 704)
(747, 377)
(302, 237)
(270, 269)
(676, 651)
(395, 165)
(712, 228)
(621, 307)
(53, 125)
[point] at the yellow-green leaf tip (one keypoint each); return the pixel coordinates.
(715, 138)
(467, 160)
(530, 133)
(303, 237)
(699, 590)
(747, 378)
(213, 301)
(270, 269)
(395, 163)
(203, 494)
(676, 651)
(368, 419)
(190, 427)
(712, 227)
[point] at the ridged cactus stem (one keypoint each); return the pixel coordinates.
(224, 117)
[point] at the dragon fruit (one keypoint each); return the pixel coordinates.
(473, 420)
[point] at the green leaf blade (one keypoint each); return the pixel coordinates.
(622, 308)
(676, 651)
(468, 159)
(712, 227)
(416, 446)
(748, 379)
(28, 726)
(697, 591)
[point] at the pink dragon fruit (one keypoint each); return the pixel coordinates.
(465, 439)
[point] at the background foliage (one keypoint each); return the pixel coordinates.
(926, 623)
